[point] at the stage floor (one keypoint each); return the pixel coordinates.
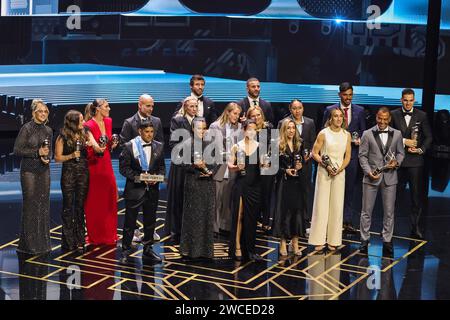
(418, 270)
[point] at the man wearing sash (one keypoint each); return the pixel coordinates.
(141, 162)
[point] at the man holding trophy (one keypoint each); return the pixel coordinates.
(417, 138)
(142, 163)
(380, 154)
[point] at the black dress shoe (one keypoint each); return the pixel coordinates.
(364, 247)
(149, 254)
(388, 249)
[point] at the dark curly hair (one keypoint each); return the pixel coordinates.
(71, 131)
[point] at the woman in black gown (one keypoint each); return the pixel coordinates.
(267, 181)
(289, 205)
(71, 151)
(33, 144)
(199, 205)
(180, 123)
(246, 195)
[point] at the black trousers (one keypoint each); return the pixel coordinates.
(149, 205)
(414, 177)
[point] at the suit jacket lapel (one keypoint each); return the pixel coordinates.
(389, 141)
(378, 140)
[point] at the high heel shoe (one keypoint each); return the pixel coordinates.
(238, 255)
(332, 248)
(319, 249)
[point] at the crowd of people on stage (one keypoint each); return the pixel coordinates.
(228, 172)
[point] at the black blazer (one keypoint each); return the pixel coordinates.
(130, 129)
(263, 104)
(129, 167)
(209, 110)
(308, 132)
(178, 122)
(425, 136)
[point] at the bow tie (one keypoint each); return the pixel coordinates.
(146, 145)
(407, 113)
(255, 102)
(380, 132)
(200, 98)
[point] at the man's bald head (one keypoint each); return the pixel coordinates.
(146, 105)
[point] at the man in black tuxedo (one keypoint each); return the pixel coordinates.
(355, 119)
(253, 99)
(417, 138)
(307, 130)
(130, 127)
(205, 106)
(141, 154)
(130, 130)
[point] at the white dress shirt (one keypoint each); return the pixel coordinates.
(384, 136)
(250, 100)
(408, 117)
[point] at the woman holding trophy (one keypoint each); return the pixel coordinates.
(246, 195)
(332, 151)
(289, 205)
(70, 149)
(257, 114)
(33, 144)
(101, 202)
(199, 205)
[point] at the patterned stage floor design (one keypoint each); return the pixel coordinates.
(98, 274)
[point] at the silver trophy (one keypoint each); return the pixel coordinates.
(102, 142)
(77, 148)
(240, 160)
(306, 153)
(355, 136)
(115, 138)
(198, 160)
(415, 134)
(265, 160)
(46, 144)
(388, 159)
(297, 158)
(327, 162)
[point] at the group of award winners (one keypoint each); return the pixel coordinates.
(228, 173)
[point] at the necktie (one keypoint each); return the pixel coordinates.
(255, 102)
(346, 116)
(146, 145)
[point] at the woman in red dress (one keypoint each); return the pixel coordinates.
(101, 202)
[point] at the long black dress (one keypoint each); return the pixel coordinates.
(199, 207)
(288, 220)
(248, 188)
(74, 186)
(175, 185)
(35, 182)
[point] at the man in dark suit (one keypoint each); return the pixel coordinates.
(205, 106)
(417, 138)
(130, 130)
(307, 130)
(355, 119)
(130, 127)
(141, 154)
(253, 99)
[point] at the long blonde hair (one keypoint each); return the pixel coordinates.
(296, 141)
(224, 117)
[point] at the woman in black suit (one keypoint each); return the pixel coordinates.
(267, 181)
(289, 205)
